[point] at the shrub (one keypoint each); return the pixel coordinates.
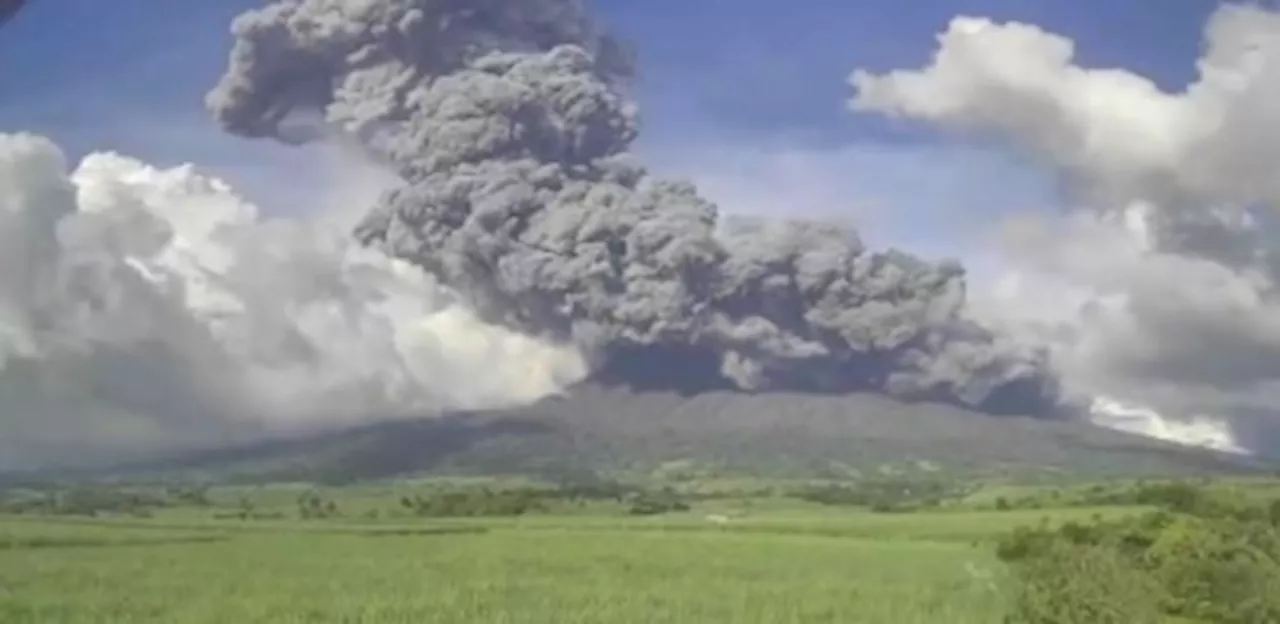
(1071, 584)
(883, 495)
(1219, 570)
(482, 502)
(654, 503)
(1204, 559)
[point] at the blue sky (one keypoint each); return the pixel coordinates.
(746, 95)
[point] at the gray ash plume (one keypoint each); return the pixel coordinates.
(509, 124)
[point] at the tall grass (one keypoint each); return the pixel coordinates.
(554, 570)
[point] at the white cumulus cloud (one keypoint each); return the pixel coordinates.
(144, 309)
(1160, 288)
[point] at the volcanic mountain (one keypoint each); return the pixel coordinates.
(612, 430)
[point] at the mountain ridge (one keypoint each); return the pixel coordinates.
(600, 429)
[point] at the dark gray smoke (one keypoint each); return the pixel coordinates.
(508, 122)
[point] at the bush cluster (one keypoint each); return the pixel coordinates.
(478, 502)
(884, 495)
(656, 503)
(85, 501)
(522, 501)
(1203, 558)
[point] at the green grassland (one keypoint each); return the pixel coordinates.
(742, 552)
(507, 573)
(731, 558)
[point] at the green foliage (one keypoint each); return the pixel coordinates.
(1219, 570)
(590, 487)
(1207, 558)
(519, 501)
(193, 495)
(655, 503)
(84, 501)
(542, 570)
(1179, 496)
(1081, 584)
(479, 502)
(883, 495)
(312, 506)
(88, 499)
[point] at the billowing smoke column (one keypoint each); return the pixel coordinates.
(507, 122)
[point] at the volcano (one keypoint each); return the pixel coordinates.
(614, 430)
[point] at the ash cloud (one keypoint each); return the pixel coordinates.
(509, 124)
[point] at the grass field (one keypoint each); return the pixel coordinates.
(775, 565)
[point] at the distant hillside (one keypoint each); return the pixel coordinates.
(609, 430)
